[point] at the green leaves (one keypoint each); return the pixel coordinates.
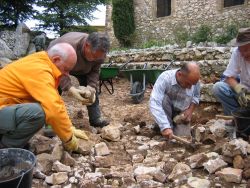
(13, 12)
(123, 20)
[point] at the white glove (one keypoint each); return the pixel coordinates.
(81, 94)
(90, 99)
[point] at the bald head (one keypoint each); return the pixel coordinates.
(63, 56)
(188, 75)
(193, 71)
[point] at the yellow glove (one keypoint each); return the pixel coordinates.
(81, 93)
(243, 95)
(72, 144)
(79, 133)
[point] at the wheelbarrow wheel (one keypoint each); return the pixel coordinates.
(136, 89)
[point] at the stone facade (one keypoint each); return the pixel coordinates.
(188, 14)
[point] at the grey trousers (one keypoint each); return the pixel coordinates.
(169, 110)
(179, 129)
(19, 123)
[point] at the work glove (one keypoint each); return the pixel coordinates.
(81, 93)
(72, 144)
(243, 95)
(79, 133)
(90, 99)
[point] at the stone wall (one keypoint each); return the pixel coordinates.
(212, 60)
(189, 14)
(15, 44)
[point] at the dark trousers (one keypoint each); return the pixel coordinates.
(94, 111)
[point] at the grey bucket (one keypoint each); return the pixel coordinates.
(16, 168)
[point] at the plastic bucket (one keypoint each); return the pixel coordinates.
(16, 168)
(242, 120)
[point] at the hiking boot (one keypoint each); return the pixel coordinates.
(100, 122)
(48, 131)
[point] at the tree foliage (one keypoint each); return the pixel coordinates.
(60, 15)
(12, 12)
(123, 20)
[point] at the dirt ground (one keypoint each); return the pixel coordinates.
(119, 107)
(120, 110)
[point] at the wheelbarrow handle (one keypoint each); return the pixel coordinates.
(124, 65)
(224, 117)
(110, 63)
(166, 68)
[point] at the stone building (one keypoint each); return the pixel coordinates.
(159, 19)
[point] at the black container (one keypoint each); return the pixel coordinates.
(242, 120)
(23, 161)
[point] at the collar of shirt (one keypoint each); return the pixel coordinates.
(56, 72)
(174, 81)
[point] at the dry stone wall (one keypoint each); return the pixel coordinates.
(212, 60)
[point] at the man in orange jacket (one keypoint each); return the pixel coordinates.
(29, 98)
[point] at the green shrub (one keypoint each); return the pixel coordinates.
(203, 34)
(123, 20)
(229, 33)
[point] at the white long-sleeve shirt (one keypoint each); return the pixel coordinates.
(238, 66)
(166, 84)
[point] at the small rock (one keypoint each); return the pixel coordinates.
(195, 182)
(68, 160)
(230, 175)
(111, 133)
(137, 129)
(57, 178)
(101, 149)
(59, 167)
(213, 165)
(181, 171)
(238, 162)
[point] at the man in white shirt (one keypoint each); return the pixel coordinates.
(175, 91)
(230, 93)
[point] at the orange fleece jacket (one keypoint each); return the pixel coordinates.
(35, 79)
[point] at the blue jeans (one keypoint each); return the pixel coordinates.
(19, 123)
(226, 96)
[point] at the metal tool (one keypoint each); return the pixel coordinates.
(187, 143)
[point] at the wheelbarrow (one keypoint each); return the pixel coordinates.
(106, 77)
(139, 78)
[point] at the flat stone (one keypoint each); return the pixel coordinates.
(195, 182)
(230, 174)
(214, 164)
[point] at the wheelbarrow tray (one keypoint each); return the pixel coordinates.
(105, 78)
(139, 78)
(108, 72)
(151, 75)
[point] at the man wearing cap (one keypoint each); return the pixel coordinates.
(229, 92)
